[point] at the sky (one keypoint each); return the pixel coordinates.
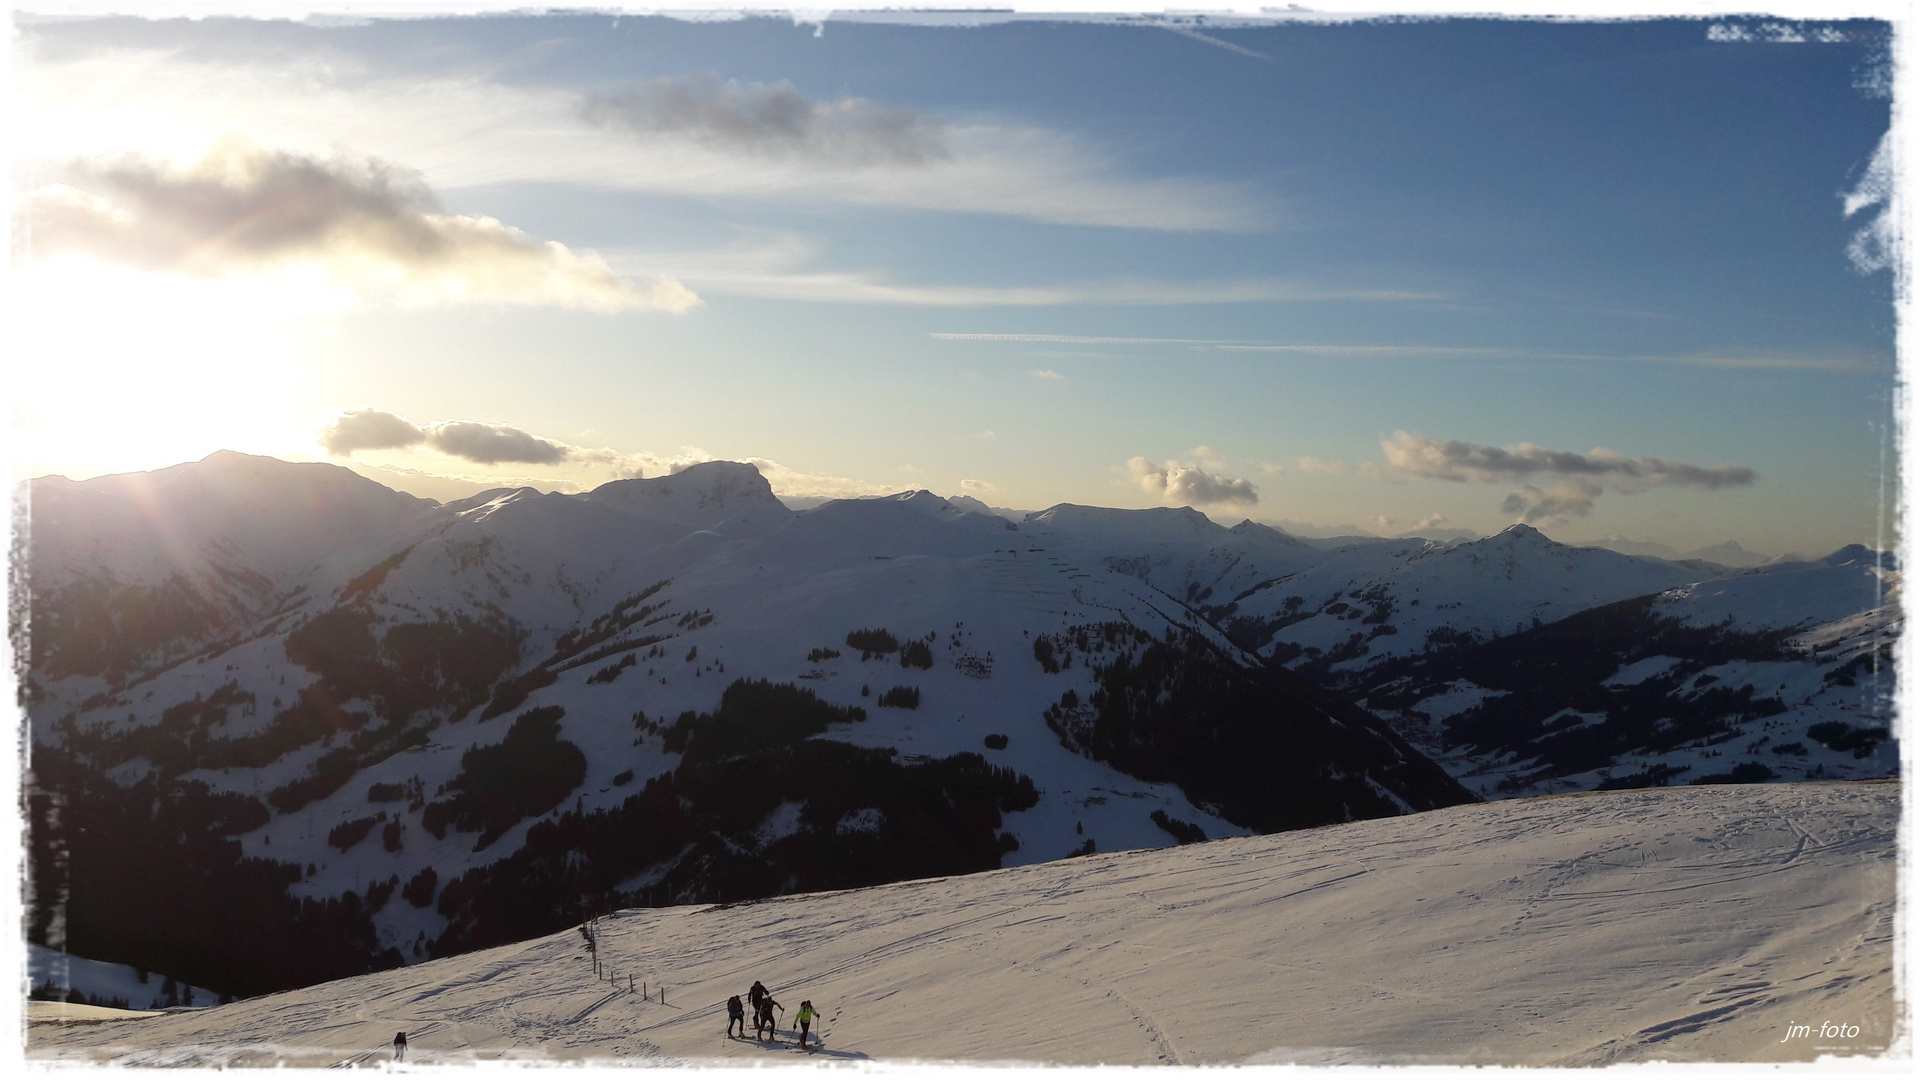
(1614, 279)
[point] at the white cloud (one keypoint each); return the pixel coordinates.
(373, 227)
(1182, 484)
(1876, 245)
(1048, 374)
(978, 487)
(469, 131)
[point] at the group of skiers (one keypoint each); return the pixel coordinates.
(763, 1006)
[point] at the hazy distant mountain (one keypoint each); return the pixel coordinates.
(968, 502)
(1310, 531)
(1729, 553)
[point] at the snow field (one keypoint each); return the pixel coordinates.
(1683, 924)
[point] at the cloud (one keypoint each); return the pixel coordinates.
(1567, 499)
(1271, 469)
(1224, 292)
(1181, 484)
(491, 444)
(773, 120)
(1048, 374)
(465, 130)
(372, 226)
(978, 486)
(364, 428)
(485, 444)
(1876, 245)
(729, 273)
(1415, 455)
(367, 429)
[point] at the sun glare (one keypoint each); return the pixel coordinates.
(119, 369)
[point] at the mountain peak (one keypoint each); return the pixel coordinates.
(701, 495)
(1153, 523)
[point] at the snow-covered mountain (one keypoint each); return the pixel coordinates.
(1723, 924)
(398, 730)
(447, 730)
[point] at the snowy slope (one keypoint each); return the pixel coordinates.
(140, 569)
(1784, 671)
(1401, 595)
(57, 975)
(1691, 924)
(455, 692)
(390, 717)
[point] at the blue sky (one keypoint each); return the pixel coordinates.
(1596, 276)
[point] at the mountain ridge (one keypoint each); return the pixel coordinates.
(382, 721)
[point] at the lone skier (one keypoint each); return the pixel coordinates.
(736, 1014)
(805, 1016)
(400, 1046)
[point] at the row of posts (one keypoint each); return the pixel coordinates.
(591, 930)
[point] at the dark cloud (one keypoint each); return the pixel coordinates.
(1567, 499)
(244, 208)
(1410, 454)
(367, 429)
(485, 444)
(491, 444)
(773, 120)
(1182, 484)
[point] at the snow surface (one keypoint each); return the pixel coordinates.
(1682, 924)
(50, 967)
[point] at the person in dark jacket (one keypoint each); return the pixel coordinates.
(400, 1046)
(765, 1016)
(736, 1014)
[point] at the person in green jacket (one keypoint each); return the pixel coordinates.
(805, 1016)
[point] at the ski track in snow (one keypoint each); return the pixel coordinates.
(1681, 924)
